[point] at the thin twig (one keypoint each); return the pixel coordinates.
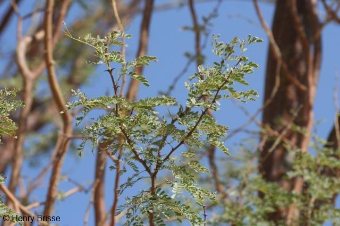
(123, 48)
(8, 15)
(331, 14)
(192, 130)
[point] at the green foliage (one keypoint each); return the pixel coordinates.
(316, 204)
(8, 104)
(151, 141)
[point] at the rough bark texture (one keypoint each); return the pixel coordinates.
(296, 31)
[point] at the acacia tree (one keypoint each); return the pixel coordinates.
(291, 78)
(293, 65)
(37, 111)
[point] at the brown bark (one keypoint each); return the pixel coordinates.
(29, 76)
(6, 153)
(17, 205)
(296, 31)
(142, 46)
(18, 149)
(98, 190)
(63, 139)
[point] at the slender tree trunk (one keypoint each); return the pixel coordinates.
(289, 102)
(144, 34)
(99, 185)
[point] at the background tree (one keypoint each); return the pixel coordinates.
(293, 66)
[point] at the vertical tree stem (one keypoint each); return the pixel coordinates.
(63, 139)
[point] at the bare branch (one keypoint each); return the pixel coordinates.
(63, 142)
(276, 48)
(332, 14)
(16, 202)
(8, 15)
(142, 47)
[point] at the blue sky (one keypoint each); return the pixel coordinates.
(169, 42)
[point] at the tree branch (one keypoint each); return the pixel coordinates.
(63, 141)
(204, 112)
(276, 49)
(142, 47)
(16, 202)
(8, 15)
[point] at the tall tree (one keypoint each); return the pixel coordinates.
(292, 72)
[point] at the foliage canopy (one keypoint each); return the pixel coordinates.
(152, 132)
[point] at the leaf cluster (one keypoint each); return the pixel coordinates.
(8, 103)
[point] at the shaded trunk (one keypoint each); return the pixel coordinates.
(333, 140)
(289, 91)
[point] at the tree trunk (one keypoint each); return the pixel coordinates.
(289, 91)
